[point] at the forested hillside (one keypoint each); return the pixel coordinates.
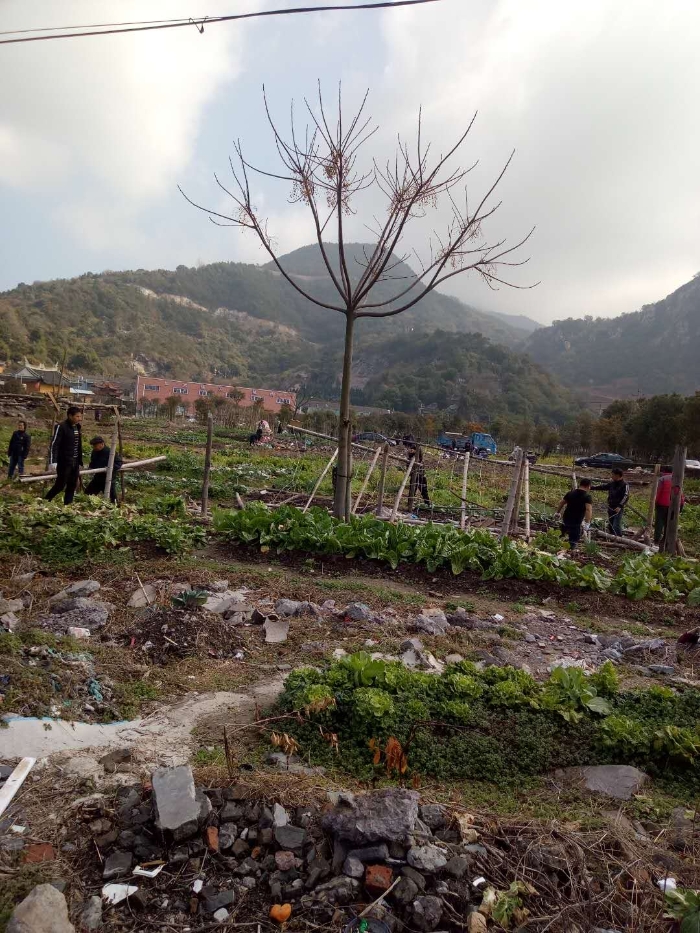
(652, 351)
(245, 324)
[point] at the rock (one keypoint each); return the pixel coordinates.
(218, 586)
(487, 660)
(292, 763)
(591, 639)
(370, 854)
(44, 910)
(664, 670)
(681, 830)
(431, 622)
(612, 654)
(609, 641)
(285, 861)
(433, 816)
(81, 588)
(618, 781)
(39, 852)
(382, 816)
(358, 612)
(11, 605)
(112, 760)
(405, 892)
(453, 659)
(415, 656)
(91, 917)
(457, 867)
(426, 858)
(143, 596)
(92, 616)
(276, 630)
(353, 867)
(177, 810)
(280, 817)
(225, 601)
(338, 891)
(288, 607)
(427, 913)
(117, 865)
(221, 915)
(415, 876)
(290, 837)
(378, 879)
(215, 902)
(9, 621)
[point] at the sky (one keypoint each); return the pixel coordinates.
(598, 100)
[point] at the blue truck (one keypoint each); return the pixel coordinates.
(478, 442)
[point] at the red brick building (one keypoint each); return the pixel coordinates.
(150, 389)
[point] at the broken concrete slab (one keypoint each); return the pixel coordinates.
(276, 630)
(382, 816)
(618, 781)
(81, 588)
(175, 803)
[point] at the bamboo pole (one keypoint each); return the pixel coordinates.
(621, 542)
(126, 466)
(397, 501)
(652, 504)
(320, 480)
(329, 437)
(518, 495)
(670, 545)
(366, 480)
(207, 463)
(110, 464)
(465, 475)
(382, 480)
(508, 514)
(526, 493)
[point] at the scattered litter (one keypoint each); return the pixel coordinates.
(477, 882)
(499, 618)
(149, 872)
(18, 830)
(116, 893)
(198, 885)
(667, 884)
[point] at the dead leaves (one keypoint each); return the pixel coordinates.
(395, 759)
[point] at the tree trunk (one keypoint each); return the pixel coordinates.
(341, 499)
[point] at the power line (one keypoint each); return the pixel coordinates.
(114, 28)
(138, 22)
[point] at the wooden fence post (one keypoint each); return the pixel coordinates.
(465, 474)
(518, 494)
(508, 514)
(382, 479)
(649, 528)
(110, 464)
(526, 493)
(207, 463)
(121, 449)
(397, 501)
(674, 511)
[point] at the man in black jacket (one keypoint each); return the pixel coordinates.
(99, 458)
(67, 454)
(618, 496)
(18, 449)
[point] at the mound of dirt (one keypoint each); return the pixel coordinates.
(165, 635)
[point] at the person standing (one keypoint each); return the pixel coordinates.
(99, 459)
(618, 496)
(67, 454)
(18, 449)
(576, 509)
(662, 504)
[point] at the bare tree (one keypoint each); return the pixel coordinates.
(322, 168)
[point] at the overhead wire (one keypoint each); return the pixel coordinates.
(199, 22)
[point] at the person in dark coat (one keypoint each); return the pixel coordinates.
(618, 496)
(18, 449)
(67, 454)
(99, 459)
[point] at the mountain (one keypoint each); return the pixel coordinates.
(244, 324)
(652, 351)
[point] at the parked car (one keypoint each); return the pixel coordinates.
(530, 454)
(605, 462)
(372, 436)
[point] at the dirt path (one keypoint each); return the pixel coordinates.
(162, 738)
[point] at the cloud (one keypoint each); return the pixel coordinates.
(101, 127)
(599, 103)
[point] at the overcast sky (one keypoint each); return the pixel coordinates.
(599, 100)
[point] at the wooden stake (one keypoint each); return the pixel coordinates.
(42, 477)
(674, 511)
(526, 493)
(515, 480)
(121, 449)
(110, 464)
(14, 782)
(382, 479)
(652, 504)
(320, 480)
(518, 495)
(207, 463)
(366, 480)
(397, 501)
(465, 474)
